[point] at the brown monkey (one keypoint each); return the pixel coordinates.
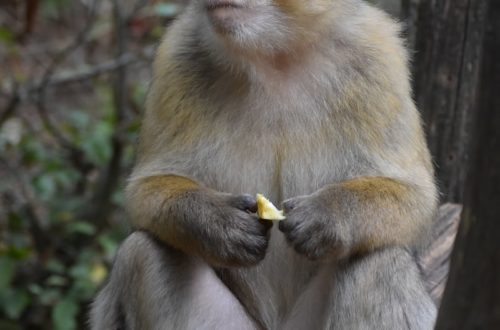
(308, 102)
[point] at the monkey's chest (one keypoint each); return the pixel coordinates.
(278, 164)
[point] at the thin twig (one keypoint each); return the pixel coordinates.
(41, 239)
(110, 175)
(85, 74)
(137, 7)
(46, 77)
(11, 107)
(80, 39)
(20, 95)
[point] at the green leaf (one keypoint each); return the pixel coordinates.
(9, 325)
(64, 315)
(56, 280)
(35, 289)
(84, 228)
(45, 186)
(118, 197)
(14, 302)
(109, 245)
(19, 252)
(167, 10)
(48, 296)
(33, 151)
(6, 36)
(97, 146)
(15, 221)
(80, 271)
(56, 266)
(52, 8)
(80, 119)
(8, 268)
(83, 289)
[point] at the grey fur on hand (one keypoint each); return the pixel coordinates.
(225, 228)
(313, 228)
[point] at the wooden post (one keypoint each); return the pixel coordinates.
(472, 295)
(447, 61)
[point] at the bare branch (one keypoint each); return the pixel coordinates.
(41, 239)
(46, 77)
(80, 39)
(11, 107)
(89, 73)
(110, 176)
(20, 95)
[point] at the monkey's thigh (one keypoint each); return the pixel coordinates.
(154, 287)
(381, 291)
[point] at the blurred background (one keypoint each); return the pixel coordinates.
(73, 78)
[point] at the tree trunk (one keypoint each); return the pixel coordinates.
(447, 61)
(472, 296)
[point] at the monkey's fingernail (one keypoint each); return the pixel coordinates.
(288, 205)
(282, 226)
(246, 203)
(266, 223)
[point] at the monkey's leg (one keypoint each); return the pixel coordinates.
(381, 291)
(154, 287)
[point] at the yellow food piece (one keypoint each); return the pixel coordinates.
(266, 210)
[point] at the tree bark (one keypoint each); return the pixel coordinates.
(472, 296)
(447, 61)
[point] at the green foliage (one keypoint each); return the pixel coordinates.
(12, 301)
(63, 278)
(51, 8)
(6, 36)
(79, 257)
(167, 10)
(64, 314)
(7, 265)
(54, 253)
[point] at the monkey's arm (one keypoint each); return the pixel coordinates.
(358, 216)
(197, 220)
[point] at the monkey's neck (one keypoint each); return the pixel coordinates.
(249, 61)
(276, 70)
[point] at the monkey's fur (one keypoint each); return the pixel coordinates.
(307, 102)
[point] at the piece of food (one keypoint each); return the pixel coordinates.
(266, 210)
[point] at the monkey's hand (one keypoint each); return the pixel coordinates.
(357, 216)
(314, 229)
(221, 228)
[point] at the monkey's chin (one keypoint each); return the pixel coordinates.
(223, 25)
(227, 19)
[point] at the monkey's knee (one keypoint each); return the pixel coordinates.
(138, 269)
(382, 290)
(155, 287)
(140, 249)
(141, 261)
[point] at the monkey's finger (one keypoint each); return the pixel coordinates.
(244, 202)
(289, 205)
(267, 223)
(292, 203)
(286, 226)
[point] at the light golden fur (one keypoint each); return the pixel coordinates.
(310, 101)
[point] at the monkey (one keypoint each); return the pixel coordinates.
(309, 103)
